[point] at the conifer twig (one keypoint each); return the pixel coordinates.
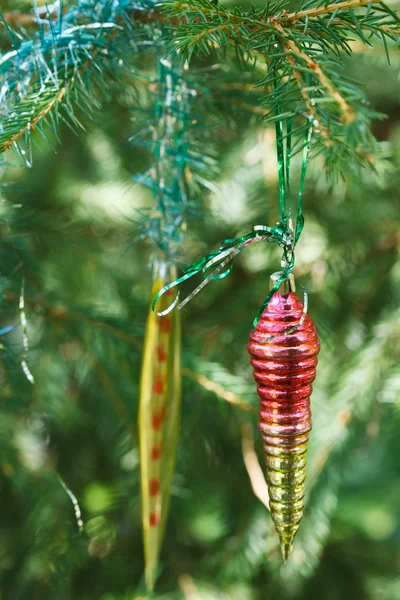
(346, 109)
(254, 470)
(327, 9)
(217, 389)
(30, 124)
(301, 53)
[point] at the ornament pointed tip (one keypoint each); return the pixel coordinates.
(286, 549)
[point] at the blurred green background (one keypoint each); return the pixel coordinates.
(68, 226)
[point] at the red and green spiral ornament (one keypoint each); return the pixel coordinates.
(284, 359)
(283, 347)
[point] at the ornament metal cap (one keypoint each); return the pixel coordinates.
(286, 286)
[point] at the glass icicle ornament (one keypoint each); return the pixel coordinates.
(283, 349)
(159, 412)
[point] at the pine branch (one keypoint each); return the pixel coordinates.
(253, 467)
(69, 56)
(217, 389)
(291, 46)
(34, 108)
(312, 13)
(302, 54)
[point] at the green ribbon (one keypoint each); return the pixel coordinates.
(282, 234)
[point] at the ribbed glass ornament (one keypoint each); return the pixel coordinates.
(284, 369)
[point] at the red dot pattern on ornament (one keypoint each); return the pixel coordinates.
(154, 487)
(155, 452)
(161, 354)
(153, 520)
(165, 324)
(157, 418)
(158, 386)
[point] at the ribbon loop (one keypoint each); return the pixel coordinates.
(283, 234)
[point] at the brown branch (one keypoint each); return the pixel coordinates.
(188, 587)
(28, 19)
(387, 28)
(254, 470)
(221, 27)
(242, 87)
(17, 18)
(257, 110)
(310, 108)
(32, 124)
(206, 11)
(347, 111)
(326, 10)
(217, 389)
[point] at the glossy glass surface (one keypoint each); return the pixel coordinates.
(284, 369)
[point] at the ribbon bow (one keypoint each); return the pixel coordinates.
(282, 234)
(222, 261)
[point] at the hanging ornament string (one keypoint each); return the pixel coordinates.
(288, 256)
(221, 260)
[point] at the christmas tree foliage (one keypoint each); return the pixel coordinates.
(138, 138)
